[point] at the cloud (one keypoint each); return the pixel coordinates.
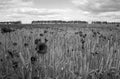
(26, 10)
(98, 6)
(111, 15)
(5, 4)
(26, 7)
(37, 11)
(27, 14)
(8, 4)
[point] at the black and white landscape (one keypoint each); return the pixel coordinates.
(59, 39)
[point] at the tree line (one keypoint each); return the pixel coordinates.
(104, 22)
(11, 22)
(58, 22)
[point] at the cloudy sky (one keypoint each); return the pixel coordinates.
(88, 10)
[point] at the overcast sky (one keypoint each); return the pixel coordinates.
(88, 10)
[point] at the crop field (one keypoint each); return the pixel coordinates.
(59, 52)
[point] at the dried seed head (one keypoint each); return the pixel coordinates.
(10, 53)
(37, 41)
(26, 44)
(14, 43)
(33, 59)
(41, 48)
(45, 31)
(15, 64)
(41, 34)
(1, 60)
(46, 40)
(6, 30)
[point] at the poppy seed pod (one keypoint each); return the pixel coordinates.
(6, 30)
(41, 48)
(37, 41)
(33, 59)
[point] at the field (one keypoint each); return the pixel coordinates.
(51, 51)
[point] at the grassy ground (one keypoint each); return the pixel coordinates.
(60, 52)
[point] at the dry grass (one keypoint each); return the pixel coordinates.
(71, 54)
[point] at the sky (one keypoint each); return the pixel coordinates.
(84, 10)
